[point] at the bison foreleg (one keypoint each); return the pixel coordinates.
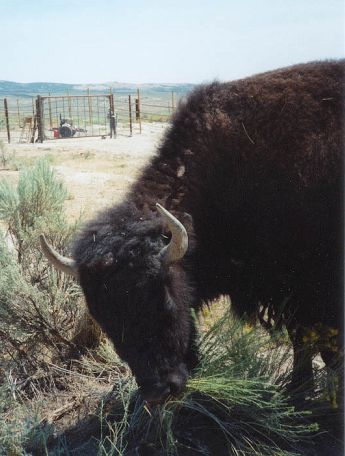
(302, 380)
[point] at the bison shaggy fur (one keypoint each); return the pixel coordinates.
(254, 170)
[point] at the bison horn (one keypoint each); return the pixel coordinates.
(62, 263)
(178, 245)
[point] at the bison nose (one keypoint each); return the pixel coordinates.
(171, 384)
(177, 381)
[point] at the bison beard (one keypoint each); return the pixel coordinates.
(253, 171)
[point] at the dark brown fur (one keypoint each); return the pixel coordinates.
(258, 166)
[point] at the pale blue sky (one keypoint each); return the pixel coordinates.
(88, 41)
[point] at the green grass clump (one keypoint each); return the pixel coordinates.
(233, 405)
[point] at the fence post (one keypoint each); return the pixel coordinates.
(130, 115)
(40, 121)
(112, 119)
(7, 121)
(69, 106)
(90, 110)
(34, 116)
(137, 109)
(50, 112)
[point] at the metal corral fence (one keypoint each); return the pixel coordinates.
(43, 118)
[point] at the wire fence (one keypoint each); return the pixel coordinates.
(50, 117)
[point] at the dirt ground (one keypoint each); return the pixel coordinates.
(96, 171)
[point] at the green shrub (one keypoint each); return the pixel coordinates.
(234, 404)
(6, 157)
(38, 306)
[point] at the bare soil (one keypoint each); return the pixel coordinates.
(97, 171)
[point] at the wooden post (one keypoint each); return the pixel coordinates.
(32, 140)
(130, 115)
(69, 106)
(90, 109)
(40, 121)
(112, 119)
(137, 109)
(50, 113)
(7, 121)
(34, 116)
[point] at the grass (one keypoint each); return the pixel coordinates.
(237, 408)
(228, 408)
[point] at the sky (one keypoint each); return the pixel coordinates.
(151, 41)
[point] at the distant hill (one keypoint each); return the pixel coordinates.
(23, 90)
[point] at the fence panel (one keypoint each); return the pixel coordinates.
(17, 118)
(74, 116)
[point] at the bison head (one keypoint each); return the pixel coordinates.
(138, 292)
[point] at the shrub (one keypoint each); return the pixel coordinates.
(38, 306)
(5, 157)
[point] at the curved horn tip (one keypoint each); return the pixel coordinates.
(67, 265)
(178, 245)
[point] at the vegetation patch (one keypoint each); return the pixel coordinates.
(234, 404)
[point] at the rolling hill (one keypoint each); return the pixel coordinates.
(23, 90)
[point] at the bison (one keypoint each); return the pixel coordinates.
(244, 197)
